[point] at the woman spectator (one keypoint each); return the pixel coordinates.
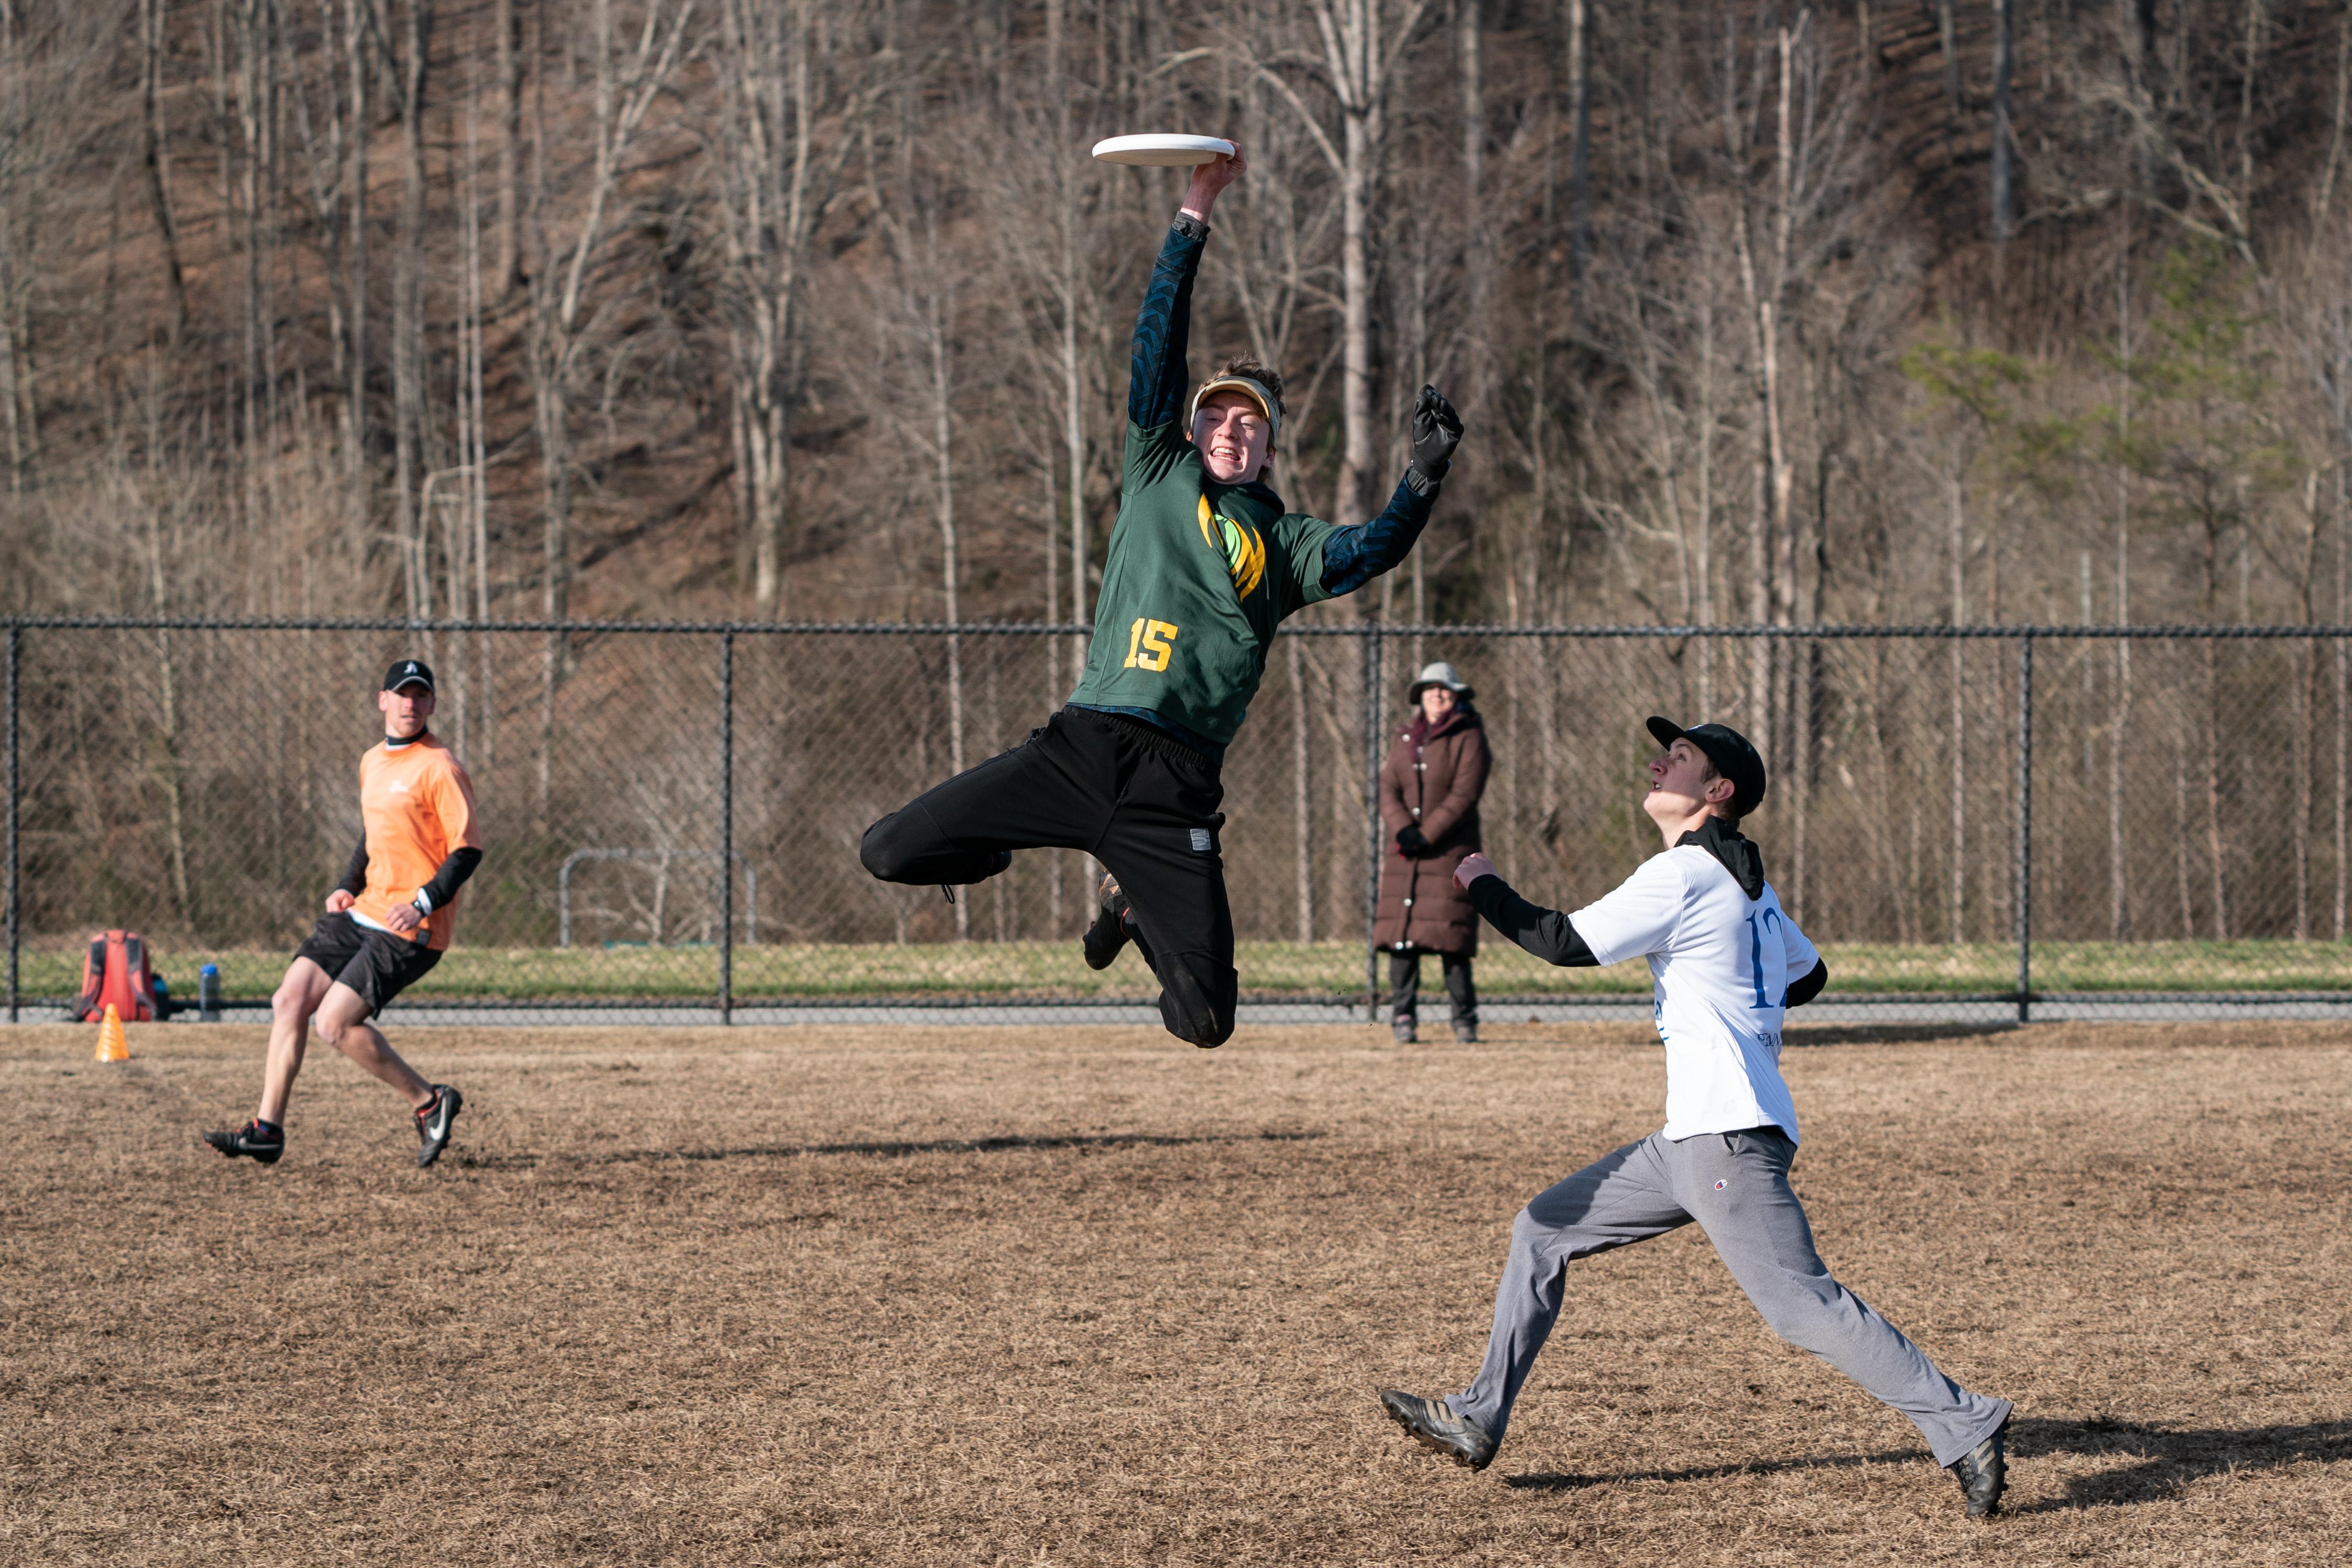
(1430, 785)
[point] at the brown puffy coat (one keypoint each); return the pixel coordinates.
(1433, 776)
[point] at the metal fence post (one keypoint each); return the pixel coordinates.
(727, 826)
(1373, 757)
(2025, 829)
(16, 928)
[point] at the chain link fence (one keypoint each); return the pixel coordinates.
(1975, 823)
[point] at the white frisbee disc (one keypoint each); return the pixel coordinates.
(1163, 150)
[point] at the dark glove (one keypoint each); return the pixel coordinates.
(1409, 839)
(1436, 431)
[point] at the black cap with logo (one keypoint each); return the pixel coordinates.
(408, 672)
(1728, 750)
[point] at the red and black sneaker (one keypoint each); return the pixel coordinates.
(433, 1124)
(256, 1140)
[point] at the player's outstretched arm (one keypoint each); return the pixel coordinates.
(1157, 377)
(1354, 556)
(1809, 985)
(1546, 933)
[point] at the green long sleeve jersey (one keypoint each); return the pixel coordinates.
(1198, 576)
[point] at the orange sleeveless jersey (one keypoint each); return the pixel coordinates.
(417, 805)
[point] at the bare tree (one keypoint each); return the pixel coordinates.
(796, 80)
(918, 333)
(1356, 64)
(627, 79)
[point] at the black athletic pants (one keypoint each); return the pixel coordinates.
(1404, 985)
(1134, 797)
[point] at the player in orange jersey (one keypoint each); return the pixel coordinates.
(386, 924)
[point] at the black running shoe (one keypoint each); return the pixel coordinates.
(433, 1124)
(1433, 1424)
(1983, 1473)
(1108, 933)
(253, 1139)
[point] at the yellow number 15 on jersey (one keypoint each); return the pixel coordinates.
(1146, 645)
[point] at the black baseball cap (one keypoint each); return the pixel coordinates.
(1728, 750)
(408, 672)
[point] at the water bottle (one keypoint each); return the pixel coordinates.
(163, 989)
(208, 995)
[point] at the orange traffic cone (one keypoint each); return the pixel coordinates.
(111, 1046)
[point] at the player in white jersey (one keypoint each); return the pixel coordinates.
(1726, 964)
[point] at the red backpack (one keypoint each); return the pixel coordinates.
(117, 971)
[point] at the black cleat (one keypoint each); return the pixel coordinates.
(433, 1124)
(253, 1139)
(1983, 1473)
(1108, 933)
(1433, 1424)
(1404, 1031)
(1465, 1032)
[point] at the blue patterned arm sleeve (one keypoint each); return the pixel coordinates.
(1354, 556)
(1157, 377)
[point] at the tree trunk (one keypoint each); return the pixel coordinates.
(408, 323)
(1947, 42)
(1477, 257)
(1959, 723)
(2214, 848)
(150, 28)
(506, 27)
(1579, 156)
(2003, 149)
(2118, 890)
(944, 455)
(1354, 502)
(358, 36)
(1302, 798)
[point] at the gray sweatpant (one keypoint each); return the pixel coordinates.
(1735, 1186)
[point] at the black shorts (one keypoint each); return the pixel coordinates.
(375, 963)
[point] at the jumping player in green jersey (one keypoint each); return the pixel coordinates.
(1204, 563)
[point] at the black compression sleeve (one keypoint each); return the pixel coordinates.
(1546, 933)
(354, 880)
(452, 875)
(1354, 556)
(1157, 377)
(1803, 990)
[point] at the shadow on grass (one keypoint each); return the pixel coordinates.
(887, 1150)
(2162, 1460)
(2166, 1460)
(1801, 1034)
(1555, 1482)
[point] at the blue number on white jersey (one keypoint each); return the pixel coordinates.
(1757, 931)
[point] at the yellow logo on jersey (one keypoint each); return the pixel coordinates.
(1244, 550)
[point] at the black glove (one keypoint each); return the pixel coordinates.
(1436, 431)
(1409, 839)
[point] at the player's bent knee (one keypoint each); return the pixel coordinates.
(1198, 1003)
(885, 851)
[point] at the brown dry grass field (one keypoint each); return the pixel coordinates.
(1076, 1296)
